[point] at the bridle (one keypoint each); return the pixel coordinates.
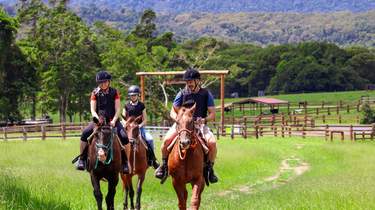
(106, 147)
(193, 140)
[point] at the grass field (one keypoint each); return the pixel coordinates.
(317, 98)
(38, 175)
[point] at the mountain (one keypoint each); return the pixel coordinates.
(232, 20)
(225, 6)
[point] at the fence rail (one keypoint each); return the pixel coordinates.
(245, 130)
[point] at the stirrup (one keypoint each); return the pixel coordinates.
(125, 168)
(162, 173)
(81, 166)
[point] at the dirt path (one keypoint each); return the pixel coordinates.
(289, 169)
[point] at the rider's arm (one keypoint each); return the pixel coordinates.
(210, 108)
(177, 103)
(211, 114)
(93, 109)
(117, 109)
(123, 121)
(144, 118)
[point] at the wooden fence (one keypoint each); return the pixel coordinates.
(245, 130)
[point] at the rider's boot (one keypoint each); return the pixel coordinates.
(211, 174)
(162, 171)
(83, 157)
(151, 158)
(124, 160)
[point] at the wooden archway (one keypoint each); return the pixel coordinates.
(219, 73)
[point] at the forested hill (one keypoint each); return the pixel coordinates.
(224, 6)
(231, 20)
(218, 6)
(343, 28)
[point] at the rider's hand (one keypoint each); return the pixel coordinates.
(113, 123)
(201, 120)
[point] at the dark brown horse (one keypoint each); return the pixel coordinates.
(185, 162)
(137, 159)
(104, 161)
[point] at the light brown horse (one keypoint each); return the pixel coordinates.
(185, 162)
(137, 160)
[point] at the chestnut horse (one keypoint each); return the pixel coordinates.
(185, 162)
(104, 161)
(137, 160)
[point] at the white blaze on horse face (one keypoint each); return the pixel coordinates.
(101, 155)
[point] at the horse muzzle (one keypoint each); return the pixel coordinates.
(101, 155)
(185, 144)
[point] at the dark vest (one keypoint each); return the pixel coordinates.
(134, 111)
(200, 98)
(105, 103)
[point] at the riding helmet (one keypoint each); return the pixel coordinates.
(191, 74)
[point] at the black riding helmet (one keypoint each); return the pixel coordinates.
(133, 90)
(103, 76)
(191, 74)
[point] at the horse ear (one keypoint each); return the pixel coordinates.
(138, 119)
(192, 109)
(95, 120)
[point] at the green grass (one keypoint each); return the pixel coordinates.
(38, 175)
(316, 98)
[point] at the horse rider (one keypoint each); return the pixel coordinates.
(135, 108)
(204, 104)
(104, 101)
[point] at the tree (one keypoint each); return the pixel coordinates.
(16, 73)
(70, 61)
(146, 28)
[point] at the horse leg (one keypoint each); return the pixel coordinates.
(97, 193)
(181, 191)
(131, 193)
(141, 178)
(197, 190)
(126, 186)
(109, 199)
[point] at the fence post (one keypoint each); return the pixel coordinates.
(24, 133)
(232, 132)
(317, 110)
(63, 131)
(372, 131)
(290, 131)
(337, 109)
(43, 129)
(244, 130)
(274, 130)
(303, 132)
(351, 132)
(256, 131)
(328, 111)
(324, 118)
(282, 131)
(327, 132)
(218, 132)
(312, 123)
(5, 133)
(358, 105)
(339, 118)
(348, 108)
